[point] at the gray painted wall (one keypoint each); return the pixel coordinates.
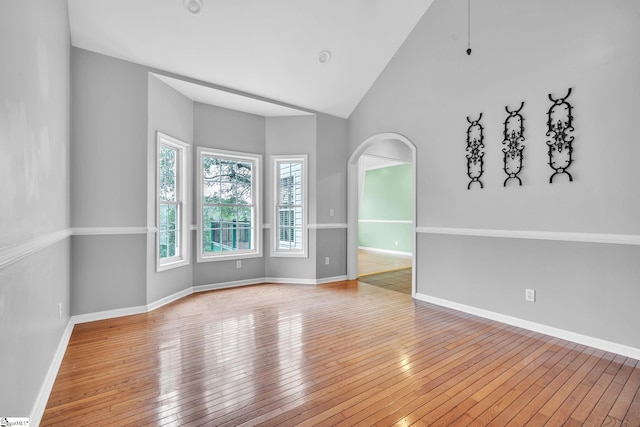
(171, 113)
(34, 189)
(331, 169)
(107, 272)
(109, 134)
(291, 135)
(331, 193)
(429, 89)
(109, 181)
(331, 243)
(591, 289)
(225, 129)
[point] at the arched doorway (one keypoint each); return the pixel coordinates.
(354, 177)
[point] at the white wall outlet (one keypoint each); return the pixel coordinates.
(239, 264)
(396, 243)
(326, 260)
(530, 295)
(59, 310)
(331, 212)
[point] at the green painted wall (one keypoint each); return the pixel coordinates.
(387, 195)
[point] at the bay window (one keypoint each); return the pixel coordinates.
(172, 212)
(228, 205)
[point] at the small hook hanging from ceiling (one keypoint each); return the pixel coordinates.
(468, 27)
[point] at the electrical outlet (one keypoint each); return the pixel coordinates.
(326, 260)
(330, 212)
(396, 243)
(530, 295)
(59, 310)
(239, 264)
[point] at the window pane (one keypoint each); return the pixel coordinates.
(243, 237)
(228, 211)
(243, 182)
(245, 214)
(290, 205)
(290, 190)
(211, 216)
(172, 217)
(290, 228)
(164, 217)
(212, 238)
(168, 229)
(172, 202)
(171, 243)
(211, 179)
(162, 241)
(168, 173)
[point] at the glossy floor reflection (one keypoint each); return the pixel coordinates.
(375, 262)
(346, 353)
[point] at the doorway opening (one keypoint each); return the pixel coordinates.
(382, 199)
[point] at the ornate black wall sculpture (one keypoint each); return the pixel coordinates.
(475, 152)
(513, 144)
(559, 129)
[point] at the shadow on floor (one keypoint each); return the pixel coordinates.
(397, 280)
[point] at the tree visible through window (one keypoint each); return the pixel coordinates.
(228, 205)
(172, 191)
(169, 206)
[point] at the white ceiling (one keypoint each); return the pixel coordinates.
(262, 48)
(368, 162)
(233, 101)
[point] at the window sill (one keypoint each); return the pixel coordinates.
(280, 254)
(229, 257)
(171, 264)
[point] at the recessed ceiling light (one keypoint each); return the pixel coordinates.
(194, 7)
(324, 56)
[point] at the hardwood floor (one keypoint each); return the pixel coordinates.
(396, 280)
(342, 354)
(370, 262)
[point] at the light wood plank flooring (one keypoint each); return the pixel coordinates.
(340, 354)
(395, 280)
(375, 262)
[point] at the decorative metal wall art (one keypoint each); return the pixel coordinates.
(513, 144)
(559, 129)
(475, 151)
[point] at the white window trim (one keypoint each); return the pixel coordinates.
(256, 190)
(184, 176)
(294, 253)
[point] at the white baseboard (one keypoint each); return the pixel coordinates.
(289, 281)
(225, 285)
(386, 251)
(331, 279)
(45, 389)
(261, 280)
(169, 299)
(598, 343)
(108, 314)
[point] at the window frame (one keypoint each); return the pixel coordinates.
(276, 160)
(183, 201)
(256, 191)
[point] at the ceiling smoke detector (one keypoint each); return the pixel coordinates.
(324, 56)
(194, 7)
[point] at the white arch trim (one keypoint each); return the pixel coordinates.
(352, 204)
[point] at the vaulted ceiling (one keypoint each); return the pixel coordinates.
(263, 48)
